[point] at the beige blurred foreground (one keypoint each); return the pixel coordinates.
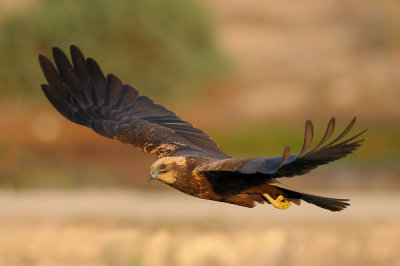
(135, 228)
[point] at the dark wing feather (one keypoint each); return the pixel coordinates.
(288, 166)
(81, 93)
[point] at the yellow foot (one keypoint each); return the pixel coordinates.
(280, 202)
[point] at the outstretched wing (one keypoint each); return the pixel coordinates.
(81, 93)
(290, 165)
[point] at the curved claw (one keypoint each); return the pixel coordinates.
(280, 202)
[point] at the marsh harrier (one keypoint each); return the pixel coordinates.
(188, 160)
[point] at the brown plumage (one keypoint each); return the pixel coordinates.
(188, 159)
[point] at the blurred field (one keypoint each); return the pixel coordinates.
(71, 197)
(136, 228)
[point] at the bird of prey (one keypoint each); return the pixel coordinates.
(187, 159)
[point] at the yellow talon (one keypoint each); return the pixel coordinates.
(280, 202)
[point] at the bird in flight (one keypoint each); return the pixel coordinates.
(187, 159)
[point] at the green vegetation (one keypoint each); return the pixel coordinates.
(163, 47)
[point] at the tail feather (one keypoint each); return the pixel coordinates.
(332, 204)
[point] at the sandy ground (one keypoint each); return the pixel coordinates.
(135, 228)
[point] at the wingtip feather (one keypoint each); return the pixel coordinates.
(41, 58)
(57, 51)
(308, 136)
(343, 134)
(74, 47)
(328, 133)
(285, 155)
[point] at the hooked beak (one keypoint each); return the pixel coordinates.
(151, 176)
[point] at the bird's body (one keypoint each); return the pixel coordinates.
(185, 175)
(188, 160)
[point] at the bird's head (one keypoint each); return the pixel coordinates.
(166, 169)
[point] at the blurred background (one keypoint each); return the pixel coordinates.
(249, 73)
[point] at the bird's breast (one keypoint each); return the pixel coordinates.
(192, 182)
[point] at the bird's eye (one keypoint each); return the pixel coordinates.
(163, 167)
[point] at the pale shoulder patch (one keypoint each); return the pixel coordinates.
(178, 160)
